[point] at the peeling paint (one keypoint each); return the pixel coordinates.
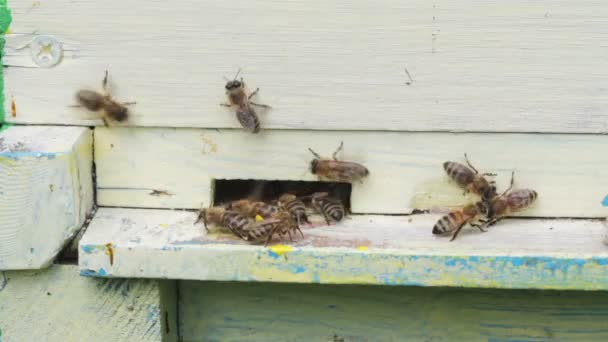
(605, 201)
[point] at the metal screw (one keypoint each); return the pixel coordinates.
(46, 51)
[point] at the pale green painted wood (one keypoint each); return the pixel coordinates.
(56, 304)
(219, 311)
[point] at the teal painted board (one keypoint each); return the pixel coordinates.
(221, 311)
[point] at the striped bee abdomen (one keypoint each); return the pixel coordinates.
(449, 222)
(298, 210)
(459, 173)
(330, 208)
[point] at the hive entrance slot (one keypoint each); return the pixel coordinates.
(227, 190)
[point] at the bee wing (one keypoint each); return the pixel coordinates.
(248, 119)
(341, 170)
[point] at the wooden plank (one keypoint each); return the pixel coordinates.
(57, 304)
(387, 250)
(518, 66)
(46, 191)
(405, 168)
(211, 311)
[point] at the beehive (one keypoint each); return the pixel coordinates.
(406, 86)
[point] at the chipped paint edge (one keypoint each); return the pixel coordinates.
(5, 21)
(351, 266)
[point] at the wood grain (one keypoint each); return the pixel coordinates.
(46, 191)
(298, 313)
(365, 249)
(58, 305)
(500, 67)
(405, 168)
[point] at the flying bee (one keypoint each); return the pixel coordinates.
(253, 208)
(508, 202)
(470, 179)
(95, 102)
(455, 220)
(295, 207)
(337, 170)
(241, 226)
(237, 96)
(331, 208)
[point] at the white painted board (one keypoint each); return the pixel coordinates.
(46, 191)
(365, 249)
(57, 305)
(406, 169)
(515, 66)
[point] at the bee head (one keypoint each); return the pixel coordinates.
(233, 85)
(489, 192)
(313, 166)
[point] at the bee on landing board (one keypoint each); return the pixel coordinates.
(331, 208)
(253, 208)
(337, 170)
(95, 102)
(470, 179)
(295, 207)
(508, 202)
(237, 97)
(285, 226)
(455, 220)
(241, 226)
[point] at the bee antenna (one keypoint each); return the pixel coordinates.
(237, 73)
(314, 153)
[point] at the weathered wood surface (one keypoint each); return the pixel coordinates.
(46, 191)
(226, 312)
(512, 66)
(405, 168)
(57, 304)
(388, 250)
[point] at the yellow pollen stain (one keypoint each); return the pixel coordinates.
(281, 249)
(163, 225)
(258, 218)
(362, 248)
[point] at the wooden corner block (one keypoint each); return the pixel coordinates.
(46, 192)
(56, 304)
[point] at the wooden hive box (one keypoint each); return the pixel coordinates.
(405, 86)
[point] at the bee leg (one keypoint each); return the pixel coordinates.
(456, 232)
(494, 221)
(290, 237)
(254, 93)
(327, 219)
(338, 150)
(300, 230)
(469, 163)
(226, 105)
(104, 84)
(105, 121)
(259, 105)
(478, 226)
(511, 184)
(130, 103)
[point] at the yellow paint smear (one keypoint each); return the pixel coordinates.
(163, 225)
(362, 248)
(281, 249)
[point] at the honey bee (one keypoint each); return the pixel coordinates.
(295, 207)
(508, 202)
(237, 96)
(331, 208)
(285, 226)
(337, 170)
(470, 179)
(241, 226)
(253, 208)
(95, 102)
(455, 220)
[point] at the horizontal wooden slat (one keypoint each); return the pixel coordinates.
(405, 168)
(498, 66)
(46, 192)
(388, 250)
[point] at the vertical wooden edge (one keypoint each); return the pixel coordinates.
(168, 310)
(5, 21)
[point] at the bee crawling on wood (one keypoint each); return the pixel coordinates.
(241, 226)
(337, 170)
(285, 226)
(253, 208)
(95, 102)
(508, 202)
(331, 208)
(470, 179)
(295, 207)
(455, 220)
(237, 96)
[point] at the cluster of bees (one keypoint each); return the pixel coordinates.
(289, 212)
(491, 207)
